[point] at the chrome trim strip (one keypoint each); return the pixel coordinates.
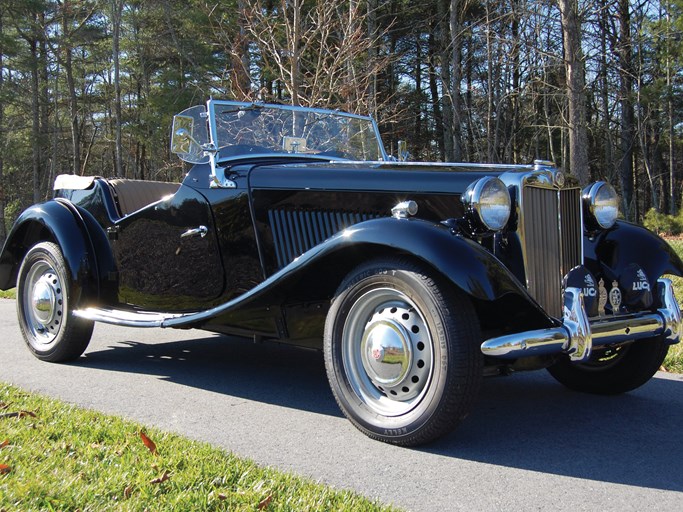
(577, 336)
(125, 318)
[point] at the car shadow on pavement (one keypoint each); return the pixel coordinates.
(530, 421)
(265, 372)
(527, 421)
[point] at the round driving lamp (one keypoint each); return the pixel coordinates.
(487, 201)
(601, 202)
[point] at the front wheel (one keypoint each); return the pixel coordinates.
(613, 370)
(47, 324)
(401, 353)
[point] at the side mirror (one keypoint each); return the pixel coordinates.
(182, 139)
(189, 135)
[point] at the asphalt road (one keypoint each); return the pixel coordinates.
(530, 444)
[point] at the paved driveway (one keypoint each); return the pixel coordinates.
(529, 444)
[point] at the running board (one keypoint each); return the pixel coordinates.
(126, 318)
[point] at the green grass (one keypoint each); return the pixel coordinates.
(8, 294)
(674, 360)
(67, 458)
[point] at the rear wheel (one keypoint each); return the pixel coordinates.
(401, 353)
(614, 370)
(49, 328)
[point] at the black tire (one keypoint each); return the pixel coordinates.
(388, 327)
(44, 301)
(613, 371)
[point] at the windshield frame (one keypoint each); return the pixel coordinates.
(214, 107)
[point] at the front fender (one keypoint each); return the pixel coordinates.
(612, 251)
(462, 261)
(56, 221)
(496, 292)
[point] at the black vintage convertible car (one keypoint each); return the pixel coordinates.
(414, 279)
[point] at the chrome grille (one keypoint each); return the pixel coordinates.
(296, 231)
(552, 234)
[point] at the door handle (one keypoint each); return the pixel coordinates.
(198, 231)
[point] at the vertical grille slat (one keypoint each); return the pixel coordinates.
(552, 242)
(297, 231)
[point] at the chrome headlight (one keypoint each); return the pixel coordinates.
(488, 201)
(601, 203)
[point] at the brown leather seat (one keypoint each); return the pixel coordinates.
(131, 195)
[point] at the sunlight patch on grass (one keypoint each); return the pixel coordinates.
(55, 456)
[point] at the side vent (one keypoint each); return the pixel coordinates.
(296, 231)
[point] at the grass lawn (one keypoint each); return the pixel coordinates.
(674, 360)
(55, 456)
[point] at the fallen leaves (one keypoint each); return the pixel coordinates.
(4, 469)
(18, 414)
(265, 502)
(4, 443)
(148, 443)
(161, 479)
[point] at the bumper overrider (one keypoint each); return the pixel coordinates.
(578, 334)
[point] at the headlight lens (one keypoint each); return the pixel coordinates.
(488, 200)
(602, 204)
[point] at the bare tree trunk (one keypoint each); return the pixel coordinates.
(434, 93)
(446, 78)
(627, 115)
(576, 84)
(670, 115)
(241, 62)
(35, 121)
(71, 86)
(604, 97)
(417, 142)
(516, 80)
(44, 108)
(117, 8)
(3, 230)
(455, 26)
(373, 55)
(490, 125)
(295, 59)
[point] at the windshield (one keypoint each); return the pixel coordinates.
(238, 129)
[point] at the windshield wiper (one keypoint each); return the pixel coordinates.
(236, 110)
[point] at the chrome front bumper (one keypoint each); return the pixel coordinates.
(578, 335)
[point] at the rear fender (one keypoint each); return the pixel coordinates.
(66, 225)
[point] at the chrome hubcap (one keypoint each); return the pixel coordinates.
(387, 351)
(43, 301)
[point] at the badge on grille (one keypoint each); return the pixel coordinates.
(602, 297)
(579, 277)
(615, 297)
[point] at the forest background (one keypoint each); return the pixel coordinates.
(90, 86)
